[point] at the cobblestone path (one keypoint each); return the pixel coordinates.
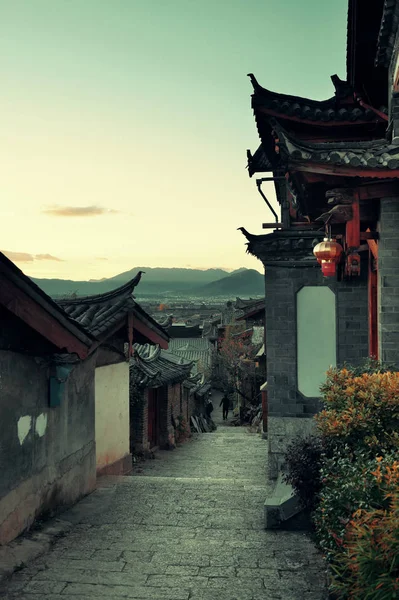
(188, 526)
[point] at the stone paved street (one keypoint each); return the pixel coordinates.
(187, 525)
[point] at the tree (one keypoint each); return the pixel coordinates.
(234, 366)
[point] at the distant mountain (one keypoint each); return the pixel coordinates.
(171, 276)
(212, 282)
(246, 282)
(238, 270)
(155, 280)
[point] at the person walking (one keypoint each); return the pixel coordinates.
(209, 409)
(226, 404)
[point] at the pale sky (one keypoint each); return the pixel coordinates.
(125, 125)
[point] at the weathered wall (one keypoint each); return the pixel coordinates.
(288, 409)
(139, 421)
(166, 429)
(112, 417)
(174, 400)
(47, 455)
(388, 281)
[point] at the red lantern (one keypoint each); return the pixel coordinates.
(328, 254)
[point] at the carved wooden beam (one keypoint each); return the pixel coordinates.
(338, 214)
(340, 196)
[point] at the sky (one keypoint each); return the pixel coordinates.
(125, 125)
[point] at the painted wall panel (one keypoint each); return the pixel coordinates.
(112, 413)
(316, 337)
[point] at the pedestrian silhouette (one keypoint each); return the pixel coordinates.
(226, 403)
(209, 409)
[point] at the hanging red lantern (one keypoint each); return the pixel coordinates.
(328, 254)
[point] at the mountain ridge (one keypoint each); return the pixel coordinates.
(159, 280)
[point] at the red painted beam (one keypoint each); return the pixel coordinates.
(34, 315)
(345, 171)
(353, 226)
(151, 335)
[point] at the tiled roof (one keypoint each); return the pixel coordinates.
(198, 350)
(387, 34)
(247, 303)
(324, 111)
(101, 312)
(10, 272)
(181, 330)
(374, 154)
(152, 367)
(164, 321)
(258, 163)
(251, 310)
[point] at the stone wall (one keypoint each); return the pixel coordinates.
(388, 281)
(47, 455)
(289, 411)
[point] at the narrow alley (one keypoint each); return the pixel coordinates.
(188, 525)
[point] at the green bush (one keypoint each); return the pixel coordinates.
(303, 464)
(357, 501)
(367, 564)
(348, 484)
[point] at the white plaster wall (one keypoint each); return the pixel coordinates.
(112, 413)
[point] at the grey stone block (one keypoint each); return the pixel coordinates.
(281, 505)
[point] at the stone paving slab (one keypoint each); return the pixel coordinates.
(188, 526)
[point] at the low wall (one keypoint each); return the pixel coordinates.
(47, 455)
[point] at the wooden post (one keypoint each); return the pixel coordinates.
(372, 305)
(353, 226)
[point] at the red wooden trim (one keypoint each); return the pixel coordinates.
(373, 246)
(34, 315)
(369, 190)
(150, 334)
(377, 112)
(366, 191)
(345, 171)
(372, 306)
(353, 226)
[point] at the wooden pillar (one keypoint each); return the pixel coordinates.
(373, 306)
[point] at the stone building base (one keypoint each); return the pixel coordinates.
(281, 431)
(55, 486)
(119, 467)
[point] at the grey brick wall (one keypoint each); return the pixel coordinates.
(282, 284)
(388, 281)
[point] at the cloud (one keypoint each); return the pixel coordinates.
(26, 257)
(47, 257)
(56, 210)
(19, 256)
